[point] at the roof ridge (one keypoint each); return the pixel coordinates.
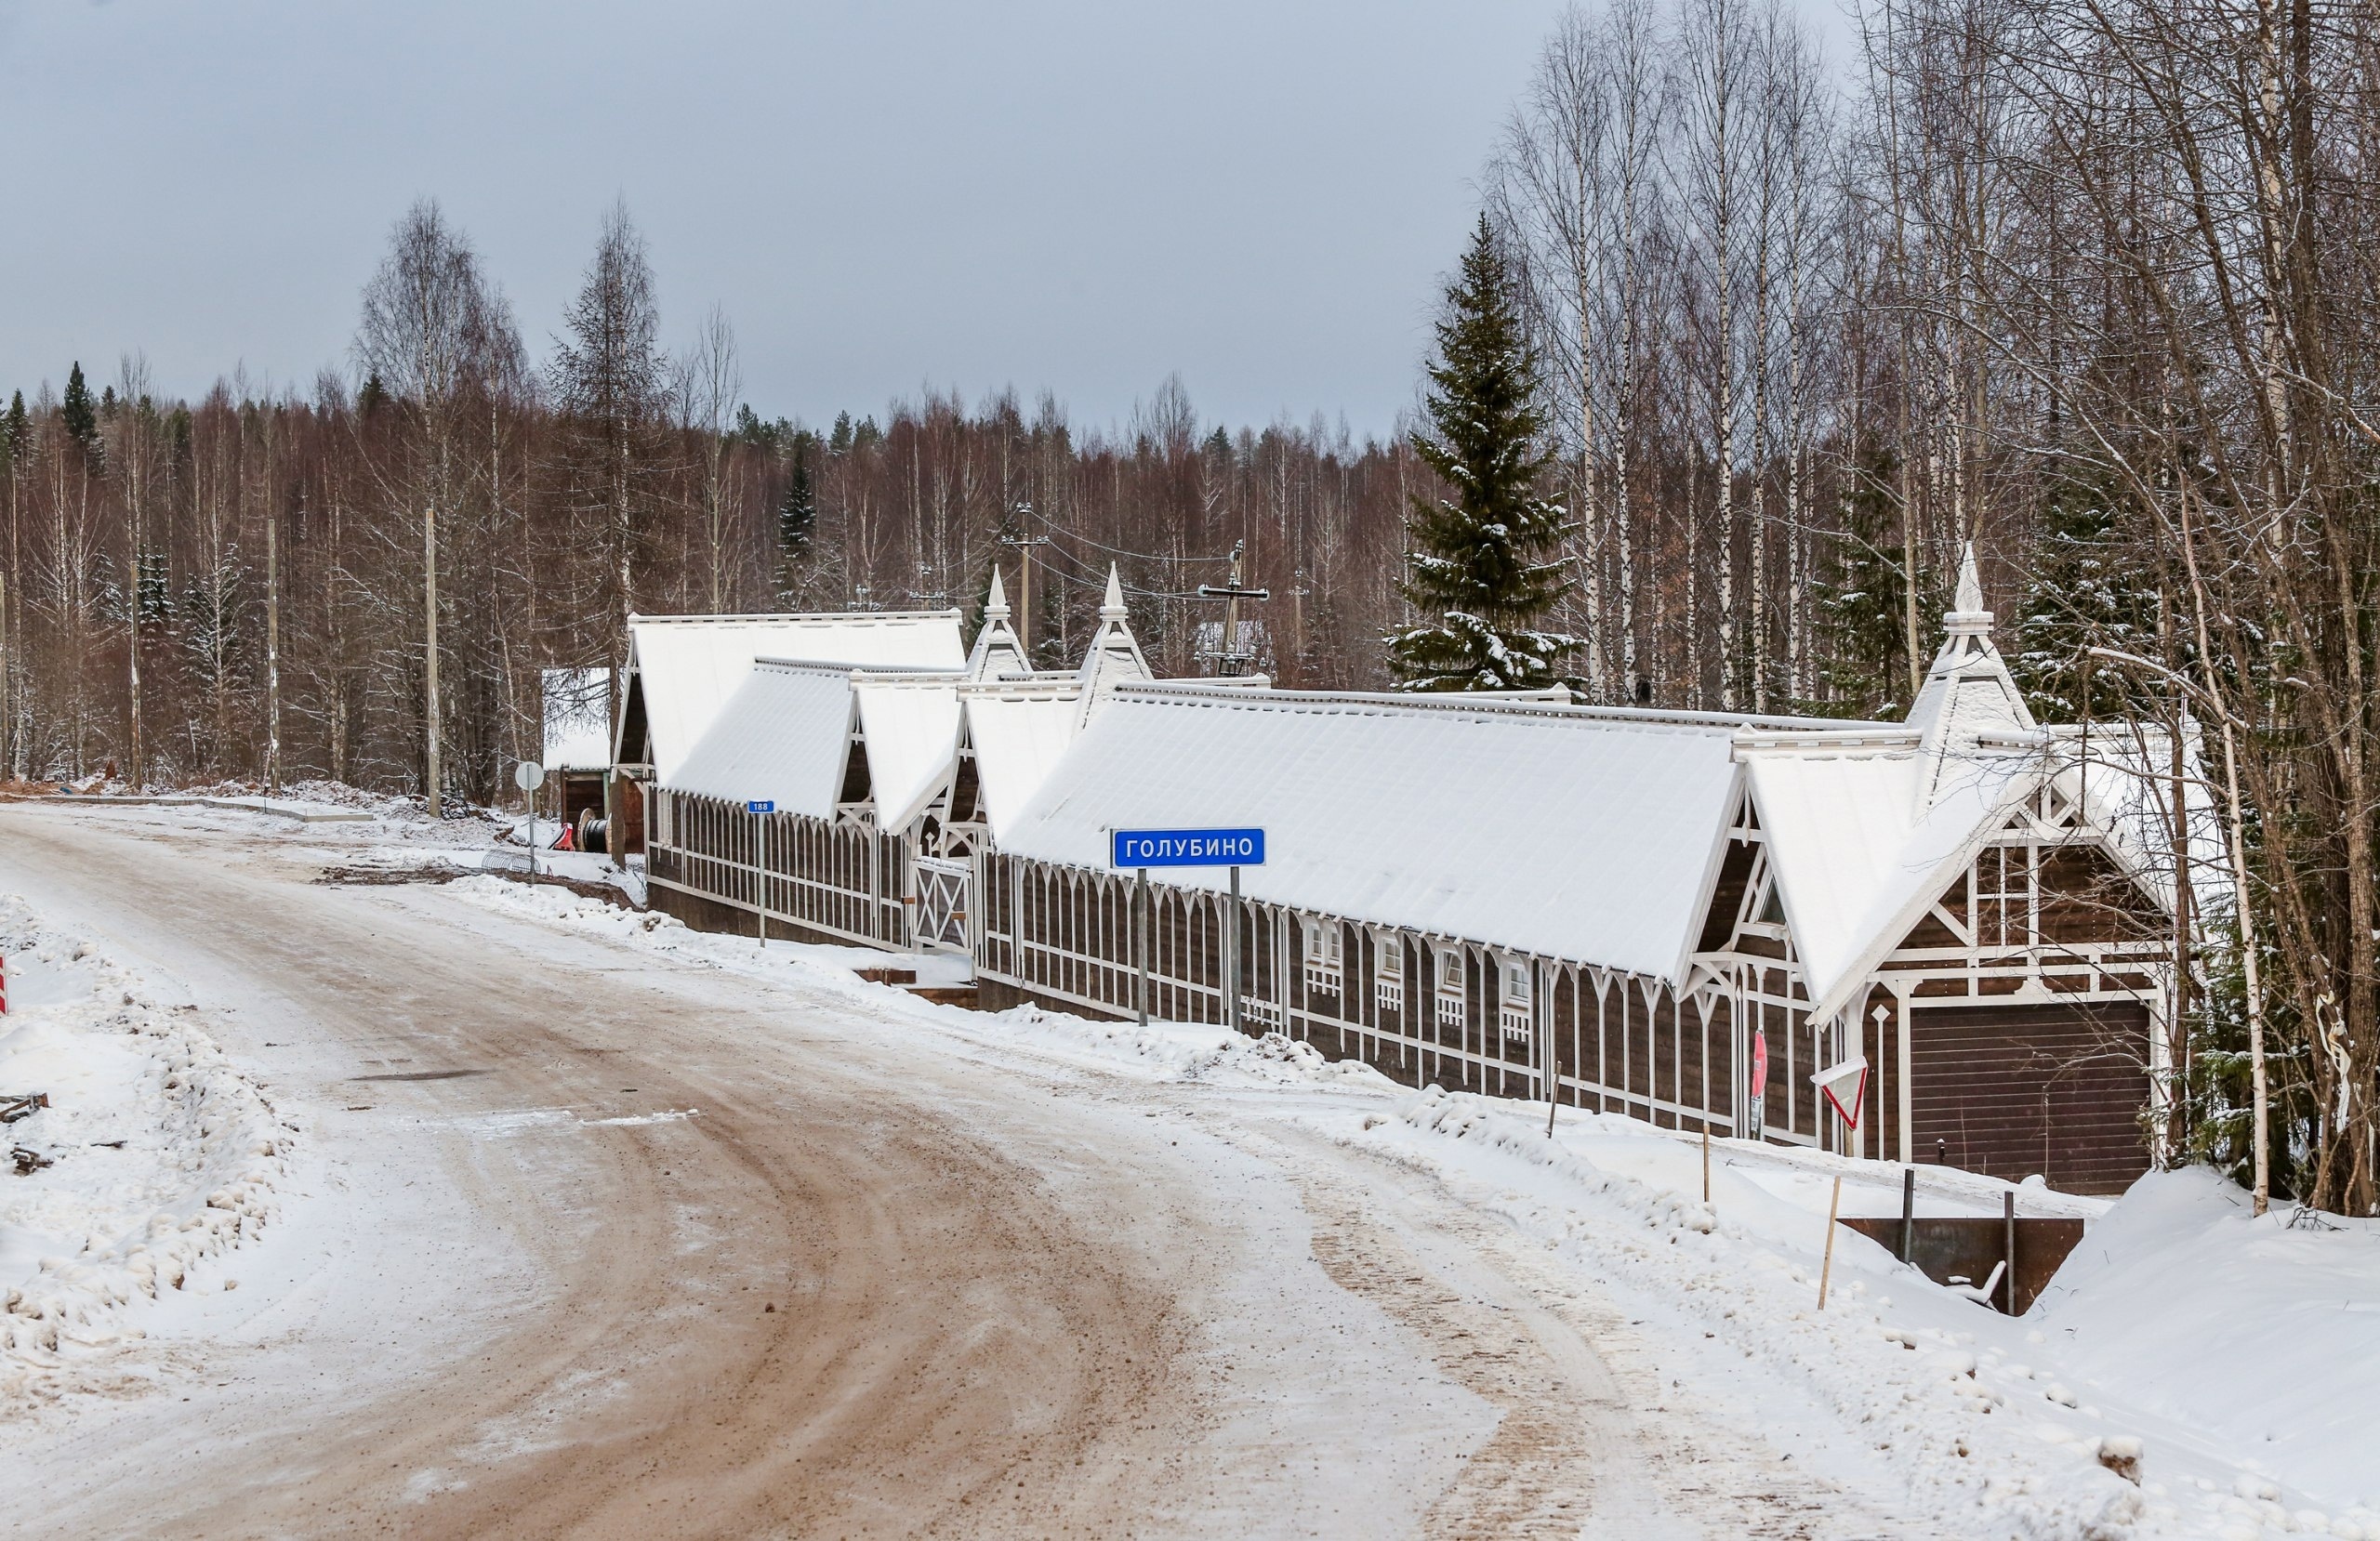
(1520, 705)
(798, 617)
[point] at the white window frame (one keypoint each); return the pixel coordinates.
(1515, 1001)
(1450, 991)
(1322, 956)
(1388, 970)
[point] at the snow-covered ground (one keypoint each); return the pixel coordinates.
(156, 1156)
(2193, 1372)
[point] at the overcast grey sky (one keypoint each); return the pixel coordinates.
(1077, 196)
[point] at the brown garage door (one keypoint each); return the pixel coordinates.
(2012, 1090)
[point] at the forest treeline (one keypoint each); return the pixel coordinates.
(2093, 287)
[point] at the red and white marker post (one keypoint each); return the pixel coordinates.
(1848, 1079)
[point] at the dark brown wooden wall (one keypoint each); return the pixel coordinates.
(2014, 1090)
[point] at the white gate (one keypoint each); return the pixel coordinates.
(942, 902)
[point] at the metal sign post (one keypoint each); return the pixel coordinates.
(1231, 957)
(528, 776)
(1140, 946)
(1143, 848)
(760, 811)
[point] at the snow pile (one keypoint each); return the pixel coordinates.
(159, 1154)
(1184, 1052)
(2100, 1414)
(1739, 1276)
(2265, 1333)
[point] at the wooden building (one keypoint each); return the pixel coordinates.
(1618, 909)
(681, 671)
(576, 747)
(884, 781)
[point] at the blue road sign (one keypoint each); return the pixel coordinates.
(760, 807)
(1186, 848)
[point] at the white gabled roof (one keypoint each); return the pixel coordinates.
(1018, 735)
(577, 719)
(1858, 862)
(910, 728)
(1566, 831)
(688, 667)
(781, 738)
(1866, 830)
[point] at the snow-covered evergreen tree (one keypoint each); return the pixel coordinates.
(797, 526)
(2081, 594)
(1861, 604)
(1485, 568)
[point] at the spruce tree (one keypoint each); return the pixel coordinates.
(2081, 596)
(1485, 569)
(796, 523)
(80, 418)
(17, 427)
(1861, 603)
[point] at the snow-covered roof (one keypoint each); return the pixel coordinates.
(684, 668)
(781, 738)
(1865, 829)
(1018, 733)
(1857, 857)
(1567, 831)
(577, 719)
(910, 728)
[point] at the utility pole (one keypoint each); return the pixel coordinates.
(7, 700)
(1230, 661)
(429, 626)
(1024, 610)
(271, 652)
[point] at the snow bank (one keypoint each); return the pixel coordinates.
(160, 1154)
(2264, 1333)
(2128, 1404)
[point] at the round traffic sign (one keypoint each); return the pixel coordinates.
(528, 775)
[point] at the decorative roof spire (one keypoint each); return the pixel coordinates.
(1969, 618)
(997, 652)
(1114, 657)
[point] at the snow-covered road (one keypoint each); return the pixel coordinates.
(585, 1242)
(544, 1217)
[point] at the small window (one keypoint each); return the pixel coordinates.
(1388, 970)
(1322, 956)
(1513, 1012)
(1450, 971)
(1772, 907)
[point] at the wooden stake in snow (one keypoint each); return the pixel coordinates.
(1834, 1084)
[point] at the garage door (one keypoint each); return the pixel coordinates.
(2014, 1090)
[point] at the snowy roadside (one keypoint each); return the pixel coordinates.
(2092, 1416)
(353, 832)
(155, 1155)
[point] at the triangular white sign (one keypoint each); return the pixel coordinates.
(1844, 1086)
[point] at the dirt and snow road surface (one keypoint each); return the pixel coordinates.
(588, 1238)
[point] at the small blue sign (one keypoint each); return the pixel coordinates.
(760, 808)
(1186, 848)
